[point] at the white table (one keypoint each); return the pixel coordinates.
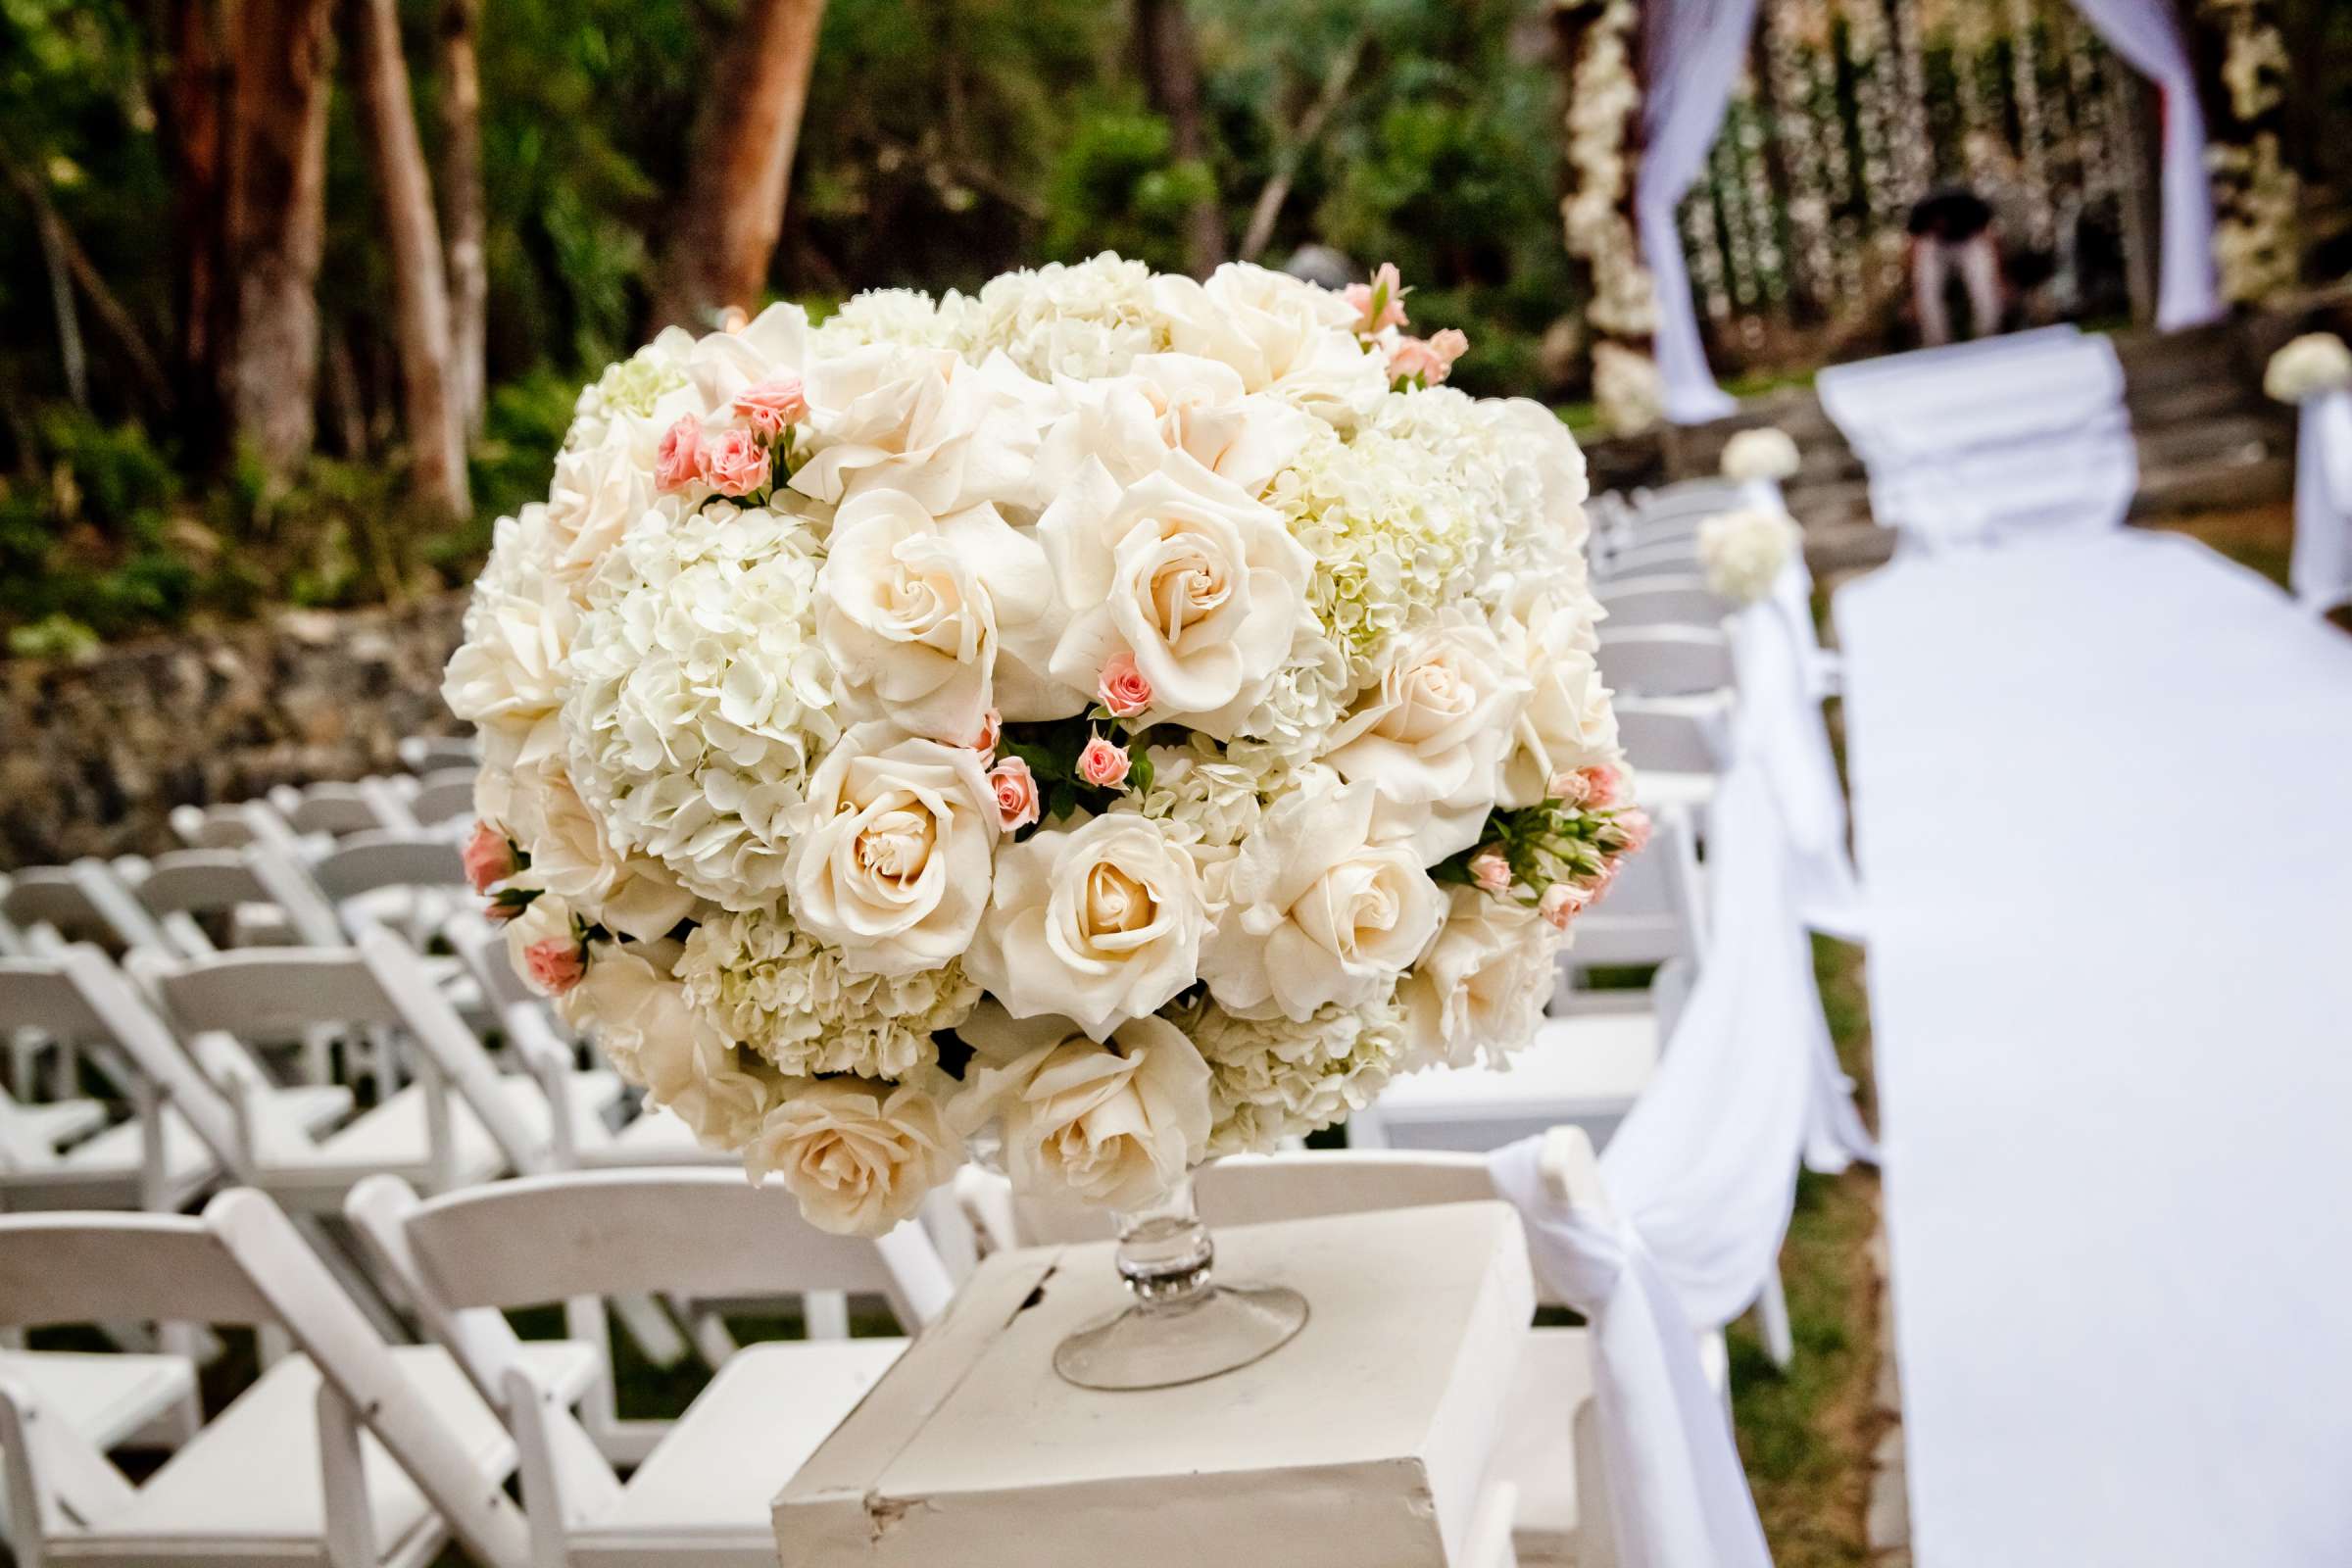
(2103, 802)
(1361, 1443)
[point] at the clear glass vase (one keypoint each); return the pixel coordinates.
(1182, 1327)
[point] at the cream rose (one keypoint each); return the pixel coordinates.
(653, 1037)
(1566, 721)
(1319, 913)
(1172, 403)
(507, 676)
(597, 493)
(1098, 924)
(859, 1156)
(572, 855)
(891, 862)
(1282, 334)
(1430, 738)
(1482, 985)
(1116, 1124)
(921, 616)
(1201, 583)
(922, 420)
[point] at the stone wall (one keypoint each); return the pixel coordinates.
(93, 755)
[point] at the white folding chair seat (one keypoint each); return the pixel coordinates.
(1583, 1071)
(1665, 661)
(111, 1171)
(396, 1139)
(705, 1490)
(51, 1124)
(656, 1137)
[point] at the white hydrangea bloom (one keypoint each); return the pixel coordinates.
(905, 317)
(1744, 551)
(1205, 800)
(1086, 319)
(2315, 362)
(1393, 543)
(641, 387)
(1270, 1078)
(701, 698)
(777, 990)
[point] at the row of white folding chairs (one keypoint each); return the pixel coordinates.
(331, 808)
(363, 1451)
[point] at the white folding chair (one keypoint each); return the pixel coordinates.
(1665, 661)
(463, 1120)
(233, 888)
(353, 1455)
(233, 825)
(1589, 1060)
(702, 1492)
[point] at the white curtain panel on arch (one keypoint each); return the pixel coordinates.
(1694, 50)
(1131, 713)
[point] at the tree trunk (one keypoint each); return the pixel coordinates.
(744, 136)
(276, 219)
(1170, 67)
(462, 207)
(419, 291)
(193, 91)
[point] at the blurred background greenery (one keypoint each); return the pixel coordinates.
(176, 441)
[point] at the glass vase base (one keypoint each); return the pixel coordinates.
(1159, 1345)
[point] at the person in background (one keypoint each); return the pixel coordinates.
(1951, 229)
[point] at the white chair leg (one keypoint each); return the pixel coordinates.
(1772, 1321)
(655, 1336)
(825, 1314)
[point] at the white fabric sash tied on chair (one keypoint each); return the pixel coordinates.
(1677, 1494)
(2321, 570)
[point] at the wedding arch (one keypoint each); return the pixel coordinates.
(1692, 55)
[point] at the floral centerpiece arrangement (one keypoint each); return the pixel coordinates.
(2307, 366)
(1743, 552)
(1135, 714)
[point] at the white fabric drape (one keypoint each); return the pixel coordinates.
(2320, 572)
(2144, 34)
(1677, 1494)
(1693, 51)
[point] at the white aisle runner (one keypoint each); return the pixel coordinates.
(2103, 803)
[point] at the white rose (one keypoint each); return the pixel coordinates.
(948, 433)
(1534, 436)
(598, 491)
(653, 1037)
(1430, 739)
(1172, 403)
(773, 344)
(1282, 334)
(1567, 720)
(892, 863)
(572, 855)
(1482, 985)
(1764, 453)
(1317, 912)
(1116, 1124)
(2315, 362)
(1199, 582)
(859, 1156)
(509, 677)
(915, 612)
(1098, 925)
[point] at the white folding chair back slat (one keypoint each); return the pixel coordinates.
(444, 795)
(1668, 599)
(1665, 661)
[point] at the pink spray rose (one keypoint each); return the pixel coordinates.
(736, 463)
(1431, 358)
(678, 462)
(1390, 290)
(1016, 793)
(1601, 783)
(1103, 763)
(555, 965)
(991, 729)
(1490, 870)
(1562, 903)
(771, 406)
(1124, 690)
(1632, 825)
(489, 859)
